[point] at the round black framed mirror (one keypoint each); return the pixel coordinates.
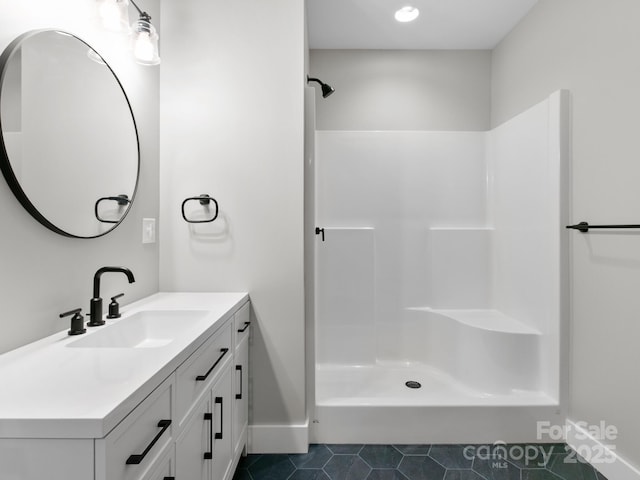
(70, 150)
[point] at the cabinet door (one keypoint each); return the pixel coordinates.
(241, 397)
(222, 438)
(165, 469)
(194, 446)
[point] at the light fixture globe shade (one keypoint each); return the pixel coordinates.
(145, 43)
(114, 15)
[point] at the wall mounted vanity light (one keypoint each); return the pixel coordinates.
(145, 40)
(115, 17)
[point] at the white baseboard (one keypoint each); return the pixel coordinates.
(279, 438)
(599, 454)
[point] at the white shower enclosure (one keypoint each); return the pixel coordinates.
(442, 264)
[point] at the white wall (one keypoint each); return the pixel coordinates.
(592, 48)
(44, 273)
(404, 90)
(232, 125)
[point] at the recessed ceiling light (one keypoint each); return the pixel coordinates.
(407, 14)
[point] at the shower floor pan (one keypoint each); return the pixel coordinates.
(385, 384)
(372, 404)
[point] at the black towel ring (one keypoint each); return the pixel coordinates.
(121, 200)
(203, 199)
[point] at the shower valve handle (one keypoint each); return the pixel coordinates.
(320, 231)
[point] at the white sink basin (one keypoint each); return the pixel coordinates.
(145, 329)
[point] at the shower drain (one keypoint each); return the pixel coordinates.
(413, 384)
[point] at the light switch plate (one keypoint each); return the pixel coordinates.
(148, 230)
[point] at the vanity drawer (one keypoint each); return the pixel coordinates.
(197, 373)
(131, 449)
(242, 322)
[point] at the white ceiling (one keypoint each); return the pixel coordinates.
(442, 24)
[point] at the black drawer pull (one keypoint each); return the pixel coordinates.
(209, 417)
(246, 325)
(219, 434)
(169, 478)
(201, 378)
(239, 395)
(137, 459)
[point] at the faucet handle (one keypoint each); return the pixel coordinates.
(77, 321)
(114, 307)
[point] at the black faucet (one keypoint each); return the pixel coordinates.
(95, 315)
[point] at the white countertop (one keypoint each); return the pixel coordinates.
(48, 390)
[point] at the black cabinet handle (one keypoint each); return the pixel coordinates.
(137, 459)
(239, 395)
(169, 478)
(201, 378)
(219, 434)
(243, 329)
(209, 417)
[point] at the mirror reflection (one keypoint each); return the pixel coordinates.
(70, 144)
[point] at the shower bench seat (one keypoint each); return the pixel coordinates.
(486, 350)
(485, 319)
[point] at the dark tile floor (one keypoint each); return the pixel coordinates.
(421, 462)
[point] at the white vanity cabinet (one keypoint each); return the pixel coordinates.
(241, 380)
(205, 404)
(222, 436)
(191, 425)
(214, 413)
(203, 449)
(194, 442)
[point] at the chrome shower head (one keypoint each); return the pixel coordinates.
(326, 89)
